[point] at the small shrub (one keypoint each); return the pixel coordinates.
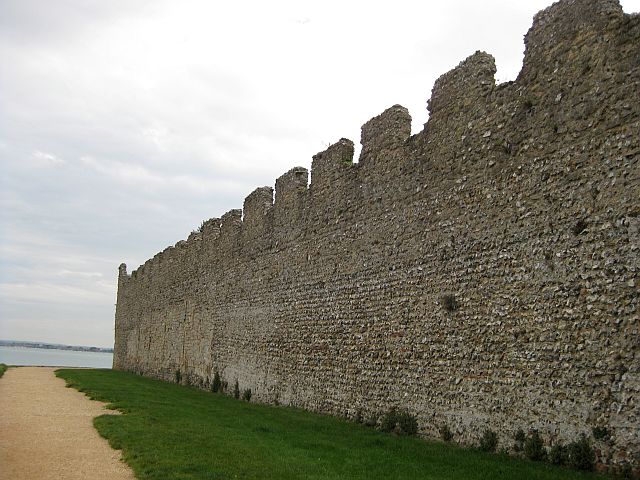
(449, 302)
(581, 454)
(489, 441)
(389, 420)
(236, 390)
(624, 472)
(3, 368)
(399, 421)
(372, 421)
(246, 395)
(216, 385)
(519, 438)
(558, 455)
(534, 447)
(358, 416)
(445, 433)
(407, 423)
(178, 376)
(600, 433)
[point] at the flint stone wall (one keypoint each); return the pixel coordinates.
(520, 201)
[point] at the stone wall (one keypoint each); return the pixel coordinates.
(518, 203)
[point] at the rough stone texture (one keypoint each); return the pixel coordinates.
(521, 200)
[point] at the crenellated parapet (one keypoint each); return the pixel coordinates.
(288, 211)
(122, 274)
(482, 273)
(229, 241)
(458, 98)
(330, 166)
(257, 220)
(257, 206)
(210, 229)
(384, 133)
(567, 43)
(566, 35)
(333, 183)
(465, 87)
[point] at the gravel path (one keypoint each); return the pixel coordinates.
(46, 431)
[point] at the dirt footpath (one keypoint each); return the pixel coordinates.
(46, 431)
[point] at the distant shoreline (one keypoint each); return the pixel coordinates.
(53, 346)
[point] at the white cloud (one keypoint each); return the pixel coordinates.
(47, 158)
(95, 292)
(80, 274)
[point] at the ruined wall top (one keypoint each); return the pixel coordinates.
(554, 46)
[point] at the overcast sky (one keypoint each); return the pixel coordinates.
(124, 124)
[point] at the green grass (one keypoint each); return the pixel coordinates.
(174, 432)
(3, 368)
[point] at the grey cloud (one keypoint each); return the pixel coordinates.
(36, 21)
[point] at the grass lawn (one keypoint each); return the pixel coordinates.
(173, 432)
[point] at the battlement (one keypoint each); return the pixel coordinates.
(558, 33)
(464, 86)
(257, 205)
(566, 24)
(210, 228)
(289, 206)
(290, 186)
(388, 131)
(331, 164)
(482, 273)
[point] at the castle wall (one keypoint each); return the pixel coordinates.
(518, 202)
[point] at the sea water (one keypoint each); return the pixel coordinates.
(45, 357)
